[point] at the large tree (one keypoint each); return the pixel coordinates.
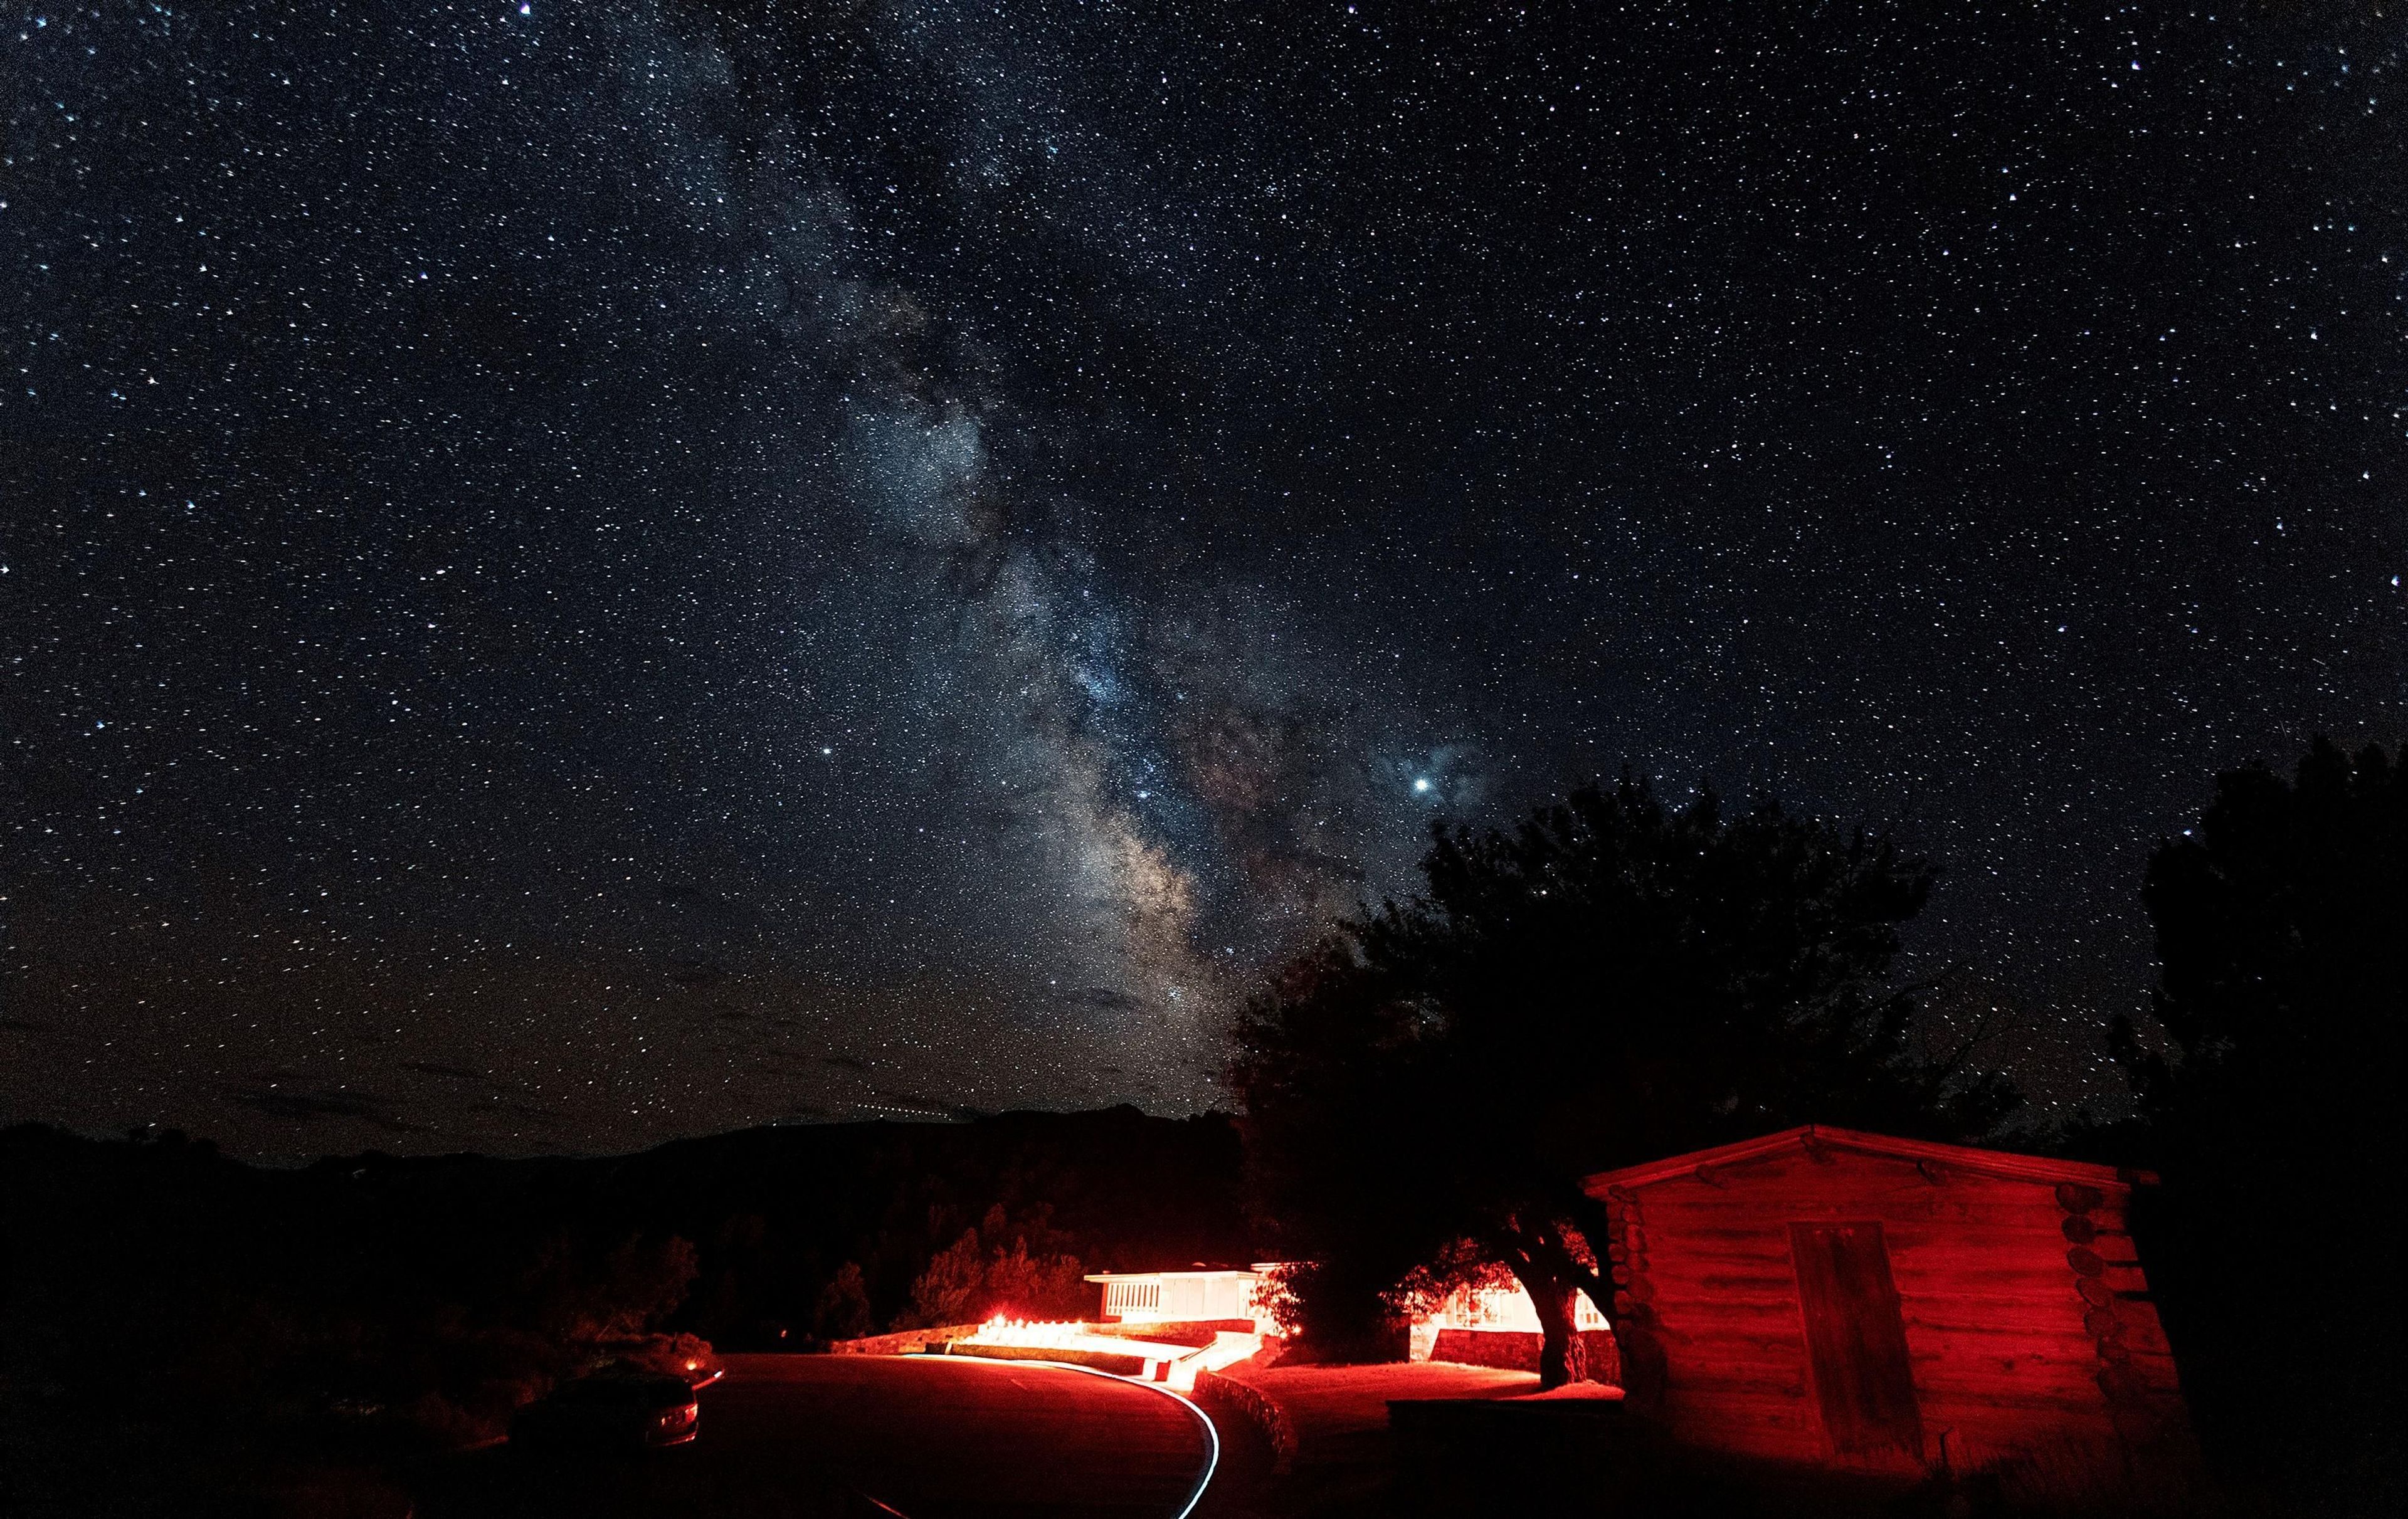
(2273, 1105)
(1611, 980)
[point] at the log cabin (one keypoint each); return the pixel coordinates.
(1847, 1299)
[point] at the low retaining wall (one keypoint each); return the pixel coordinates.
(1194, 1333)
(1226, 1399)
(1119, 1366)
(1514, 1350)
(903, 1342)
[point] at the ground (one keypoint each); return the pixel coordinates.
(1343, 1455)
(803, 1437)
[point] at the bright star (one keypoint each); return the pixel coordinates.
(1421, 783)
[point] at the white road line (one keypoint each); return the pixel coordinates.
(1212, 1431)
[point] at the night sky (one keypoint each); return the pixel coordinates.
(582, 573)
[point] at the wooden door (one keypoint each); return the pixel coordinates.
(1855, 1341)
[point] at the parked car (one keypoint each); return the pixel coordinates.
(627, 1410)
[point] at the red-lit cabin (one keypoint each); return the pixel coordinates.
(1833, 1296)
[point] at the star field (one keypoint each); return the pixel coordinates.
(579, 573)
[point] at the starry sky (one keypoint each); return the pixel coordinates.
(577, 573)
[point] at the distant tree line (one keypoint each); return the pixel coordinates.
(823, 1232)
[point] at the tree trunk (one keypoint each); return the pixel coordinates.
(1562, 1355)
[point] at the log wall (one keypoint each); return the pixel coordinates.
(2029, 1326)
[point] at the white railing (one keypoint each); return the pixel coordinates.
(1123, 1299)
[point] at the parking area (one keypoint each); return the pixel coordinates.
(798, 1437)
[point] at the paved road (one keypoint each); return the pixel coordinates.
(798, 1437)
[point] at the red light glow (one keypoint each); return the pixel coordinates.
(1000, 1330)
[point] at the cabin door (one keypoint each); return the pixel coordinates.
(1855, 1341)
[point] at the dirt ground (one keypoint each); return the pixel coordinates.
(1343, 1458)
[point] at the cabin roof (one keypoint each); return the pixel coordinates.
(1809, 1137)
(1193, 1272)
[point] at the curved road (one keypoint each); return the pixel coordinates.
(926, 1437)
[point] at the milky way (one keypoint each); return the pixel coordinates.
(582, 573)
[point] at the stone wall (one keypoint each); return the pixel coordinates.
(1515, 1351)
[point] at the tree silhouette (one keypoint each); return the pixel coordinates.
(1611, 980)
(842, 1312)
(2273, 1107)
(1001, 1266)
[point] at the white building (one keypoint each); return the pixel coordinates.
(1186, 1297)
(1221, 1295)
(1506, 1310)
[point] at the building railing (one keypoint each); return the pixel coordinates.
(1123, 1299)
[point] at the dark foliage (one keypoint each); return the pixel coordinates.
(1612, 981)
(2273, 1110)
(386, 1305)
(779, 1214)
(181, 1334)
(158, 1278)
